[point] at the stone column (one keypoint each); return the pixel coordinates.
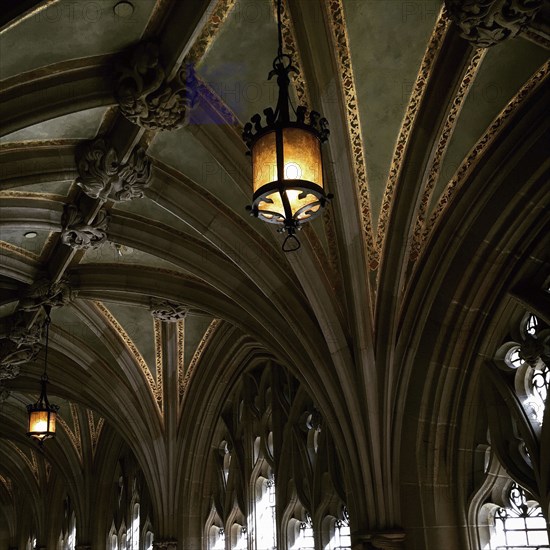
(381, 540)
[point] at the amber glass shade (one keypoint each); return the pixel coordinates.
(41, 422)
(301, 180)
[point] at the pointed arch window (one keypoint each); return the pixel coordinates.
(341, 535)
(134, 533)
(301, 535)
(520, 525)
(216, 538)
(265, 519)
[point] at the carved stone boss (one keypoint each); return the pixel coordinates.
(81, 235)
(101, 176)
(164, 310)
(20, 347)
(488, 22)
(147, 99)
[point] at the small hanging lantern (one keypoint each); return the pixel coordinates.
(43, 415)
(287, 169)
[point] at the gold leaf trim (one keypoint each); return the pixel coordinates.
(441, 26)
(209, 33)
(19, 251)
(157, 329)
(181, 356)
(341, 46)
(94, 429)
(199, 352)
(30, 462)
(123, 335)
(74, 437)
(481, 146)
(444, 139)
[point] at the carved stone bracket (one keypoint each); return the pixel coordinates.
(23, 336)
(80, 235)
(485, 23)
(45, 293)
(12, 356)
(101, 176)
(147, 99)
(165, 310)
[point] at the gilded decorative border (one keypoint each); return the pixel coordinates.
(289, 46)
(215, 102)
(30, 462)
(448, 129)
(30, 195)
(207, 336)
(426, 67)
(157, 330)
(181, 356)
(210, 31)
(95, 430)
(6, 482)
(20, 251)
(132, 349)
(341, 46)
(74, 437)
(481, 146)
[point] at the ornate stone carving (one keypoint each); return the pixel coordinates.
(533, 350)
(165, 310)
(4, 393)
(12, 355)
(488, 22)
(147, 99)
(23, 336)
(103, 177)
(46, 293)
(170, 544)
(80, 235)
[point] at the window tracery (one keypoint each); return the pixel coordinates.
(516, 388)
(276, 468)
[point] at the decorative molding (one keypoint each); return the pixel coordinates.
(74, 437)
(30, 462)
(485, 23)
(181, 356)
(45, 293)
(210, 31)
(340, 38)
(19, 251)
(157, 331)
(6, 482)
(444, 139)
(146, 98)
(166, 310)
(94, 429)
(417, 94)
(81, 235)
(101, 176)
(215, 102)
(132, 348)
(477, 152)
(13, 355)
(26, 336)
(207, 336)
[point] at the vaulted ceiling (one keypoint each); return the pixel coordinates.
(186, 284)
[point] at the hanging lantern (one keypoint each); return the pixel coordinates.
(287, 169)
(43, 415)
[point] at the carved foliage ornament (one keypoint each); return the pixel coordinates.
(45, 293)
(488, 22)
(101, 176)
(81, 235)
(164, 310)
(144, 96)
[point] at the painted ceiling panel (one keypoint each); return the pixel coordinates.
(68, 320)
(184, 152)
(108, 253)
(70, 30)
(138, 324)
(33, 246)
(505, 68)
(237, 64)
(81, 125)
(387, 41)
